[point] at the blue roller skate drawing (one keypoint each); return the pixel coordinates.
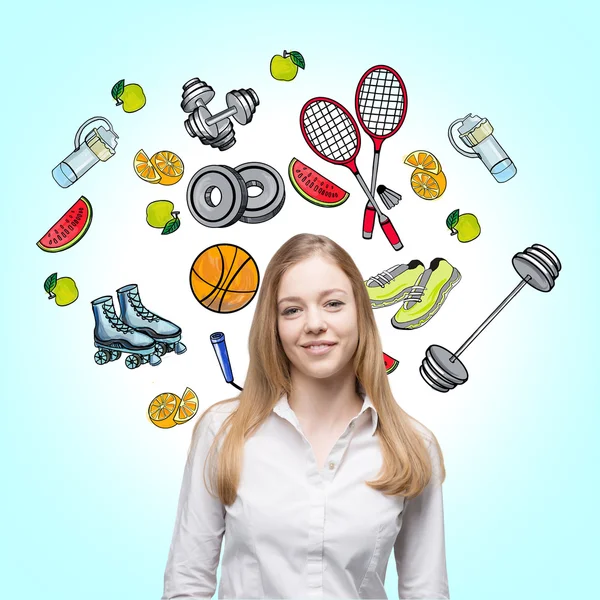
(112, 337)
(165, 334)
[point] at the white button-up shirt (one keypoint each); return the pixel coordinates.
(295, 531)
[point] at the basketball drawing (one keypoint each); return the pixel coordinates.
(224, 278)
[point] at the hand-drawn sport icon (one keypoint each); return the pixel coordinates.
(219, 196)
(216, 131)
(422, 291)
(476, 133)
(538, 267)
(98, 145)
(224, 278)
(381, 102)
(332, 133)
(143, 334)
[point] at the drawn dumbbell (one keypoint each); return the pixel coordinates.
(538, 267)
(216, 131)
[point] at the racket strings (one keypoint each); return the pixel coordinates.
(330, 131)
(381, 102)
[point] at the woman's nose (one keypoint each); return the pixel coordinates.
(314, 321)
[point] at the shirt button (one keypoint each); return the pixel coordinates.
(331, 466)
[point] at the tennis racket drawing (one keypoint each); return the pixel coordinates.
(332, 133)
(380, 102)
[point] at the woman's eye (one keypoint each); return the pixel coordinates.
(333, 303)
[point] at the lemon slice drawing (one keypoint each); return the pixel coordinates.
(421, 159)
(144, 168)
(428, 186)
(162, 410)
(188, 407)
(169, 167)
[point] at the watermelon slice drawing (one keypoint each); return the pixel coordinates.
(69, 229)
(390, 363)
(314, 187)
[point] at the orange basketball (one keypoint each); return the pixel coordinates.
(224, 278)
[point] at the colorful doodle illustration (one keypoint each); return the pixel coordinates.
(219, 345)
(476, 133)
(284, 67)
(98, 145)
(162, 215)
(427, 180)
(538, 267)
(390, 363)
(389, 197)
(381, 102)
(69, 229)
(465, 227)
(145, 335)
(163, 167)
(216, 131)
(218, 196)
(332, 133)
(224, 278)
(315, 188)
(422, 291)
(131, 96)
(63, 289)
(168, 410)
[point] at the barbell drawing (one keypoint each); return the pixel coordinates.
(538, 267)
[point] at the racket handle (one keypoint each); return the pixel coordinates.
(390, 233)
(368, 221)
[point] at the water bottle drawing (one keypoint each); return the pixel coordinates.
(476, 133)
(98, 145)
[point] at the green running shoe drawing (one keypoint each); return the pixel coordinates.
(427, 295)
(393, 285)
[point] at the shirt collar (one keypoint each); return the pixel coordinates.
(283, 409)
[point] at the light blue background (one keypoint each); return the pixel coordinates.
(90, 487)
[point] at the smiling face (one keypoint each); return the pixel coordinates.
(316, 304)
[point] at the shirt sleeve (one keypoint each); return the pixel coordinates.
(419, 549)
(191, 570)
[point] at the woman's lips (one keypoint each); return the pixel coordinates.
(317, 351)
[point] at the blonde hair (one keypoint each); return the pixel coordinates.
(406, 467)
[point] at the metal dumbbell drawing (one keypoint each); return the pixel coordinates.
(538, 267)
(216, 131)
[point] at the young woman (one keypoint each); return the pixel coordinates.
(314, 472)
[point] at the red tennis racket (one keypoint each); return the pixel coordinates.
(381, 101)
(332, 133)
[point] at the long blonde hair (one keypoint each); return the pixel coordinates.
(406, 467)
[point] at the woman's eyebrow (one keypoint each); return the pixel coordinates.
(321, 294)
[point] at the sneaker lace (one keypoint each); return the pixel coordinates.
(115, 322)
(382, 278)
(415, 294)
(134, 299)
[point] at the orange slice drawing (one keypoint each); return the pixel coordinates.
(188, 408)
(421, 159)
(428, 186)
(144, 169)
